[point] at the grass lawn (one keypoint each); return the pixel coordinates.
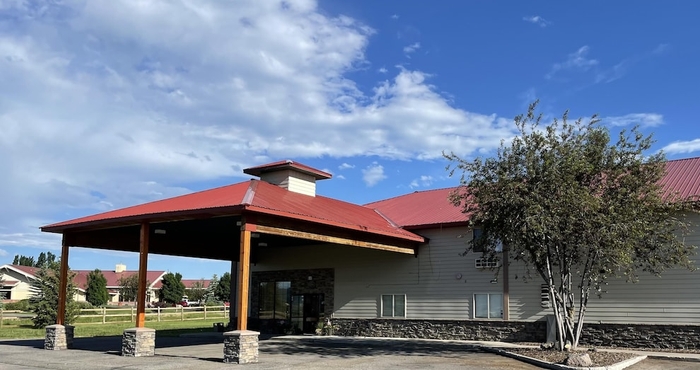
(22, 329)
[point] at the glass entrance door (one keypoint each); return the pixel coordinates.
(306, 312)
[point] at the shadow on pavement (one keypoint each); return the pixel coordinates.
(359, 348)
(316, 346)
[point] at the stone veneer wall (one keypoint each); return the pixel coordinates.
(507, 331)
(614, 335)
(641, 335)
(323, 281)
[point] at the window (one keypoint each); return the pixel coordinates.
(274, 298)
(476, 234)
(488, 306)
(393, 305)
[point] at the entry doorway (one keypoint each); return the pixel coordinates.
(306, 312)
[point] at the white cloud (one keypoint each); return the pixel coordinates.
(641, 119)
(394, 16)
(577, 60)
(536, 19)
(382, 70)
(346, 166)
(681, 147)
(409, 49)
(373, 174)
(340, 177)
(423, 181)
(108, 104)
(661, 48)
(3, 253)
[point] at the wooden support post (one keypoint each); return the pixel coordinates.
(243, 278)
(63, 285)
(143, 270)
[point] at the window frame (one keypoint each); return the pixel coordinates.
(477, 230)
(393, 306)
(274, 297)
(488, 305)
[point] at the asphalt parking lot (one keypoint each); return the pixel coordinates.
(275, 353)
(322, 353)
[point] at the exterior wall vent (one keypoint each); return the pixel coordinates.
(485, 263)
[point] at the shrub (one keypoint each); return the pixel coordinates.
(22, 305)
(84, 305)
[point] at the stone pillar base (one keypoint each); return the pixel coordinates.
(139, 342)
(241, 346)
(59, 337)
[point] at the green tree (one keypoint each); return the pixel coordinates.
(128, 287)
(209, 293)
(96, 292)
(575, 208)
(44, 302)
(222, 292)
(197, 291)
(173, 289)
(21, 260)
(44, 260)
(41, 260)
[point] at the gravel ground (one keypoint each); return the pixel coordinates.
(599, 358)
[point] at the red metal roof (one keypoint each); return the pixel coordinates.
(272, 199)
(421, 209)
(189, 283)
(256, 196)
(26, 269)
(287, 164)
(386, 217)
(113, 278)
(221, 197)
(682, 177)
(432, 207)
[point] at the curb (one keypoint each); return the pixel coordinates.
(548, 365)
(674, 358)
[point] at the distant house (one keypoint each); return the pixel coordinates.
(188, 283)
(17, 282)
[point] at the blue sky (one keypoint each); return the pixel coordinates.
(106, 104)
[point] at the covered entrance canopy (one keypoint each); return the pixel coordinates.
(231, 223)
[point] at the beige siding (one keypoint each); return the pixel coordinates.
(672, 298)
(21, 290)
(438, 284)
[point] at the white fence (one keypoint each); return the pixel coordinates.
(117, 315)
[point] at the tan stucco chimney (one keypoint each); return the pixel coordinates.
(290, 175)
(120, 268)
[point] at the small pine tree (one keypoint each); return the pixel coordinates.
(173, 289)
(96, 292)
(44, 303)
(209, 293)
